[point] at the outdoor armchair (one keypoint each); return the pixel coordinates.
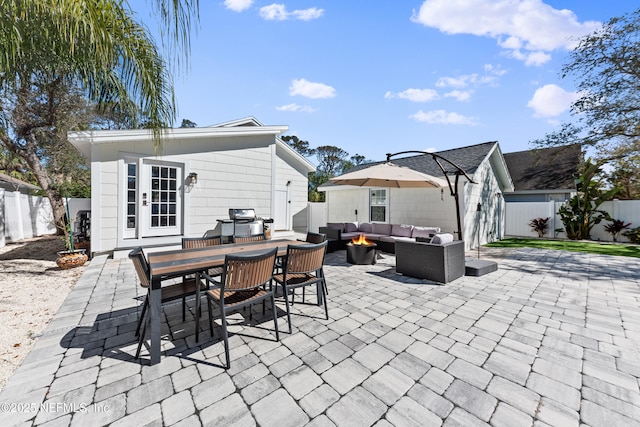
(181, 290)
(441, 263)
(303, 267)
(243, 283)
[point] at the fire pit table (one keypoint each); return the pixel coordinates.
(361, 252)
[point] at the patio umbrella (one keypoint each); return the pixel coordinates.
(389, 175)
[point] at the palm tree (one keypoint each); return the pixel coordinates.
(96, 46)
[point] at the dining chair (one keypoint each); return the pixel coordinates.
(180, 290)
(203, 242)
(303, 267)
(248, 239)
(243, 283)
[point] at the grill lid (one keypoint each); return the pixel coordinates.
(243, 214)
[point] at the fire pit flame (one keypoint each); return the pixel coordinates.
(361, 240)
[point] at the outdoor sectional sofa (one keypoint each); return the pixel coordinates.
(384, 235)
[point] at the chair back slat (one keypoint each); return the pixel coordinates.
(141, 265)
(200, 242)
(249, 239)
(248, 271)
(315, 237)
(305, 258)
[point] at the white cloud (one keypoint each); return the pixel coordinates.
(551, 101)
(312, 90)
(308, 14)
(415, 95)
(527, 29)
(443, 117)
(273, 12)
(278, 12)
(238, 5)
(295, 108)
(460, 95)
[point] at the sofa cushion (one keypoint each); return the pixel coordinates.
(401, 230)
(424, 231)
(365, 227)
(384, 229)
(349, 236)
(393, 239)
(336, 225)
(350, 227)
(439, 239)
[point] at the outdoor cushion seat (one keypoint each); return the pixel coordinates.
(393, 239)
(479, 267)
(424, 231)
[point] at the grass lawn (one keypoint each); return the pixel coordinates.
(616, 249)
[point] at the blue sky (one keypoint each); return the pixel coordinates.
(373, 77)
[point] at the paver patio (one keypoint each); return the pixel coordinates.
(551, 338)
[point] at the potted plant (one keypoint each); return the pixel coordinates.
(72, 257)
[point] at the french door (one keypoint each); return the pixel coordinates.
(153, 205)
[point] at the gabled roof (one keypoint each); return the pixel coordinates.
(553, 168)
(248, 126)
(7, 181)
(467, 158)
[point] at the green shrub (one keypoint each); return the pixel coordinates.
(633, 234)
(539, 225)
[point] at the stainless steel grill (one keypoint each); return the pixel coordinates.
(243, 222)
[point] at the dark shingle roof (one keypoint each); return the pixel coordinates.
(551, 168)
(468, 158)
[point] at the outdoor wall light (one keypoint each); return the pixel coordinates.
(192, 178)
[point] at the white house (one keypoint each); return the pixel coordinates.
(143, 198)
(485, 165)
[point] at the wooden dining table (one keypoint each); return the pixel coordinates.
(164, 265)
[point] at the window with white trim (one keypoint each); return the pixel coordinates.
(378, 205)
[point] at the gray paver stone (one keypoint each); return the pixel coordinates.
(373, 356)
(259, 389)
(210, 391)
(437, 380)
(388, 384)
(300, 381)
(430, 400)
(470, 373)
(319, 400)
(278, 410)
(101, 413)
(356, 408)
(231, 411)
(148, 416)
(407, 412)
(146, 394)
(461, 418)
(508, 416)
(472, 399)
(346, 375)
(555, 414)
(554, 390)
(177, 407)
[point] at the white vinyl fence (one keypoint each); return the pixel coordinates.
(317, 216)
(23, 216)
(519, 214)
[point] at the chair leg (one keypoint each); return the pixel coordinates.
(225, 336)
(144, 310)
(184, 308)
(326, 309)
(210, 310)
(141, 339)
(275, 316)
(286, 300)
